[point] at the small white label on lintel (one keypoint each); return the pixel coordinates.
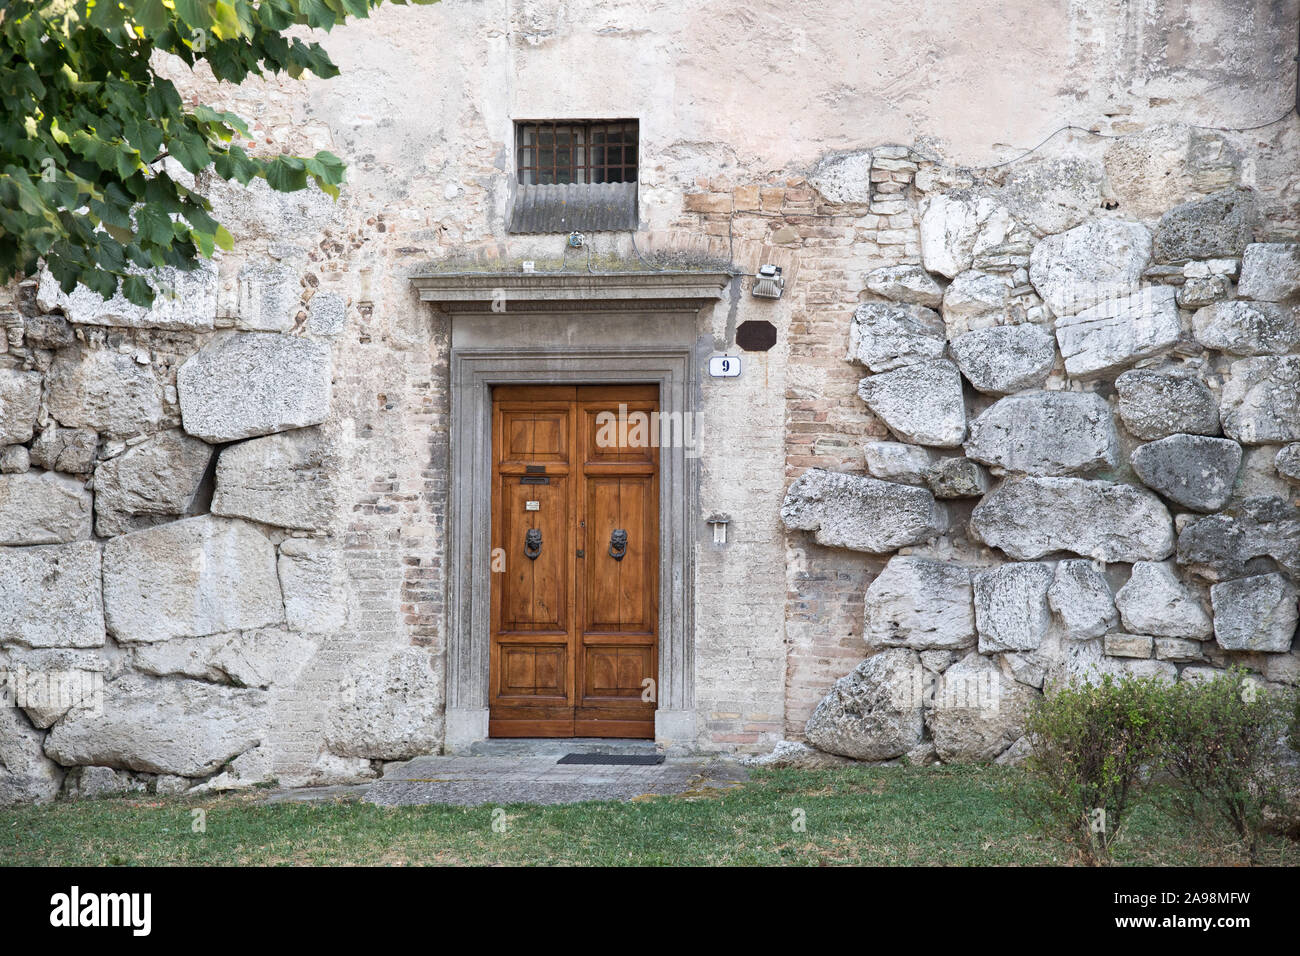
(724, 366)
(532, 506)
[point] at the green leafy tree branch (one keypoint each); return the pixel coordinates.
(86, 125)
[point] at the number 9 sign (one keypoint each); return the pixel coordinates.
(724, 366)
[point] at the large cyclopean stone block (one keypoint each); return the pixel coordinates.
(1287, 463)
(26, 774)
(843, 177)
(1030, 517)
(897, 461)
(263, 658)
(978, 711)
(1098, 260)
(182, 301)
(1158, 404)
(1085, 662)
(958, 478)
(185, 727)
(1006, 358)
(51, 597)
(288, 480)
(1118, 332)
(975, 300)
(1255, 614)
(189, 578)
(922, 403)
(53, 680)
(875, 711)
(1081, 597)
(390, 710)
(1240, 327)
(1216, 227)
(270, 296)
(70, 450)
(42, 507)
(924, 605)
(20, 400)
(258, 211)
(949, 230)
(1053, 195)
(863, 514)
(254, 383)
(105, 390)
(1270, 272)
(884, 336)
(1153, 601)
(909, 284)
(959, 230)
(315, 584)
(1261, 400)
(1046, 433)
(1191, 470)
(152, 482)
(1223, 546)
(1011, 610)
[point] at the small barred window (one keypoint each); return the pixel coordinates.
(576, 151)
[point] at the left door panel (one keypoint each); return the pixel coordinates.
(532, 663)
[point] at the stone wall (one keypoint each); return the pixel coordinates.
(201, 588)
(1087, 459)
(227, 513)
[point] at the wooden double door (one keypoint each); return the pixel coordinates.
(575, 582)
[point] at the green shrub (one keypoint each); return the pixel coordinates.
(1091, 744)
(1223, 738)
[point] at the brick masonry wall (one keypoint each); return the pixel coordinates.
(827, 249)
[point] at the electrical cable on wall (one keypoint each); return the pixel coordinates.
(1218, 129)
(1097, 132)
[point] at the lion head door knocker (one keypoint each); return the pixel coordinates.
(532, 543)
(618, 544)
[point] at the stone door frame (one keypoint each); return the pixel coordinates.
(474, 370)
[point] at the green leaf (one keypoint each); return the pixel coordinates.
(137, 290)
(190, 151)
(152, 15)
(283, 177)
(153, 225)
(225, 20)
(318, 14)
(124, 236)
(196, 13)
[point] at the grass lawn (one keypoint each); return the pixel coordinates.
(893, 815)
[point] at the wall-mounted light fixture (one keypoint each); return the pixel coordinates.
(768, 284)
(718, 522)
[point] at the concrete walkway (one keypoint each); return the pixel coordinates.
(513, 772)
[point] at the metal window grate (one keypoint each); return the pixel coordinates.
(555, 152)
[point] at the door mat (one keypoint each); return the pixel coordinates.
(628, 760)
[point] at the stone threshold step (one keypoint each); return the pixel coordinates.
(559, 746)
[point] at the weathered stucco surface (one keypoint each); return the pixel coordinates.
(259, 466)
